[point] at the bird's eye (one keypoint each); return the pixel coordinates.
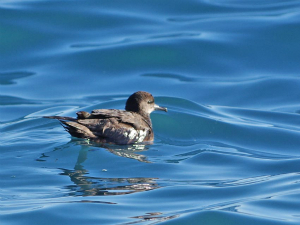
(150, 102)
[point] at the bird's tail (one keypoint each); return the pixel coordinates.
(73, 127)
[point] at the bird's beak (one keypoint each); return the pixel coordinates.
(157, 107)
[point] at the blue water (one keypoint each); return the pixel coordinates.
(227, 152)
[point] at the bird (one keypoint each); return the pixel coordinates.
(114, 126)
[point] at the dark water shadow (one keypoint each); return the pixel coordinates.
(11, 77)
(182, 78)
(11, 100)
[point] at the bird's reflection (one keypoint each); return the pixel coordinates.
(127, 151)
(155, 217)
(84, 185)
(94, 186)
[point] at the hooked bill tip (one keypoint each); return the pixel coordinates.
(157, 107)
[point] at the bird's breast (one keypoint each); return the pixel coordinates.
(135, 135)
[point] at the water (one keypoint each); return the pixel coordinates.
(227, 152)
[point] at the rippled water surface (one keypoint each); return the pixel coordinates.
(227, 151)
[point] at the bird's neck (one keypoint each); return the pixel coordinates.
(147, 119)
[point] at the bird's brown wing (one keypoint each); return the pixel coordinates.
(126, 117)
(117, 126)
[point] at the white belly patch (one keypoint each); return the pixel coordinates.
(135, 136)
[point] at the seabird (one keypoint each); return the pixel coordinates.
(132, 125)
